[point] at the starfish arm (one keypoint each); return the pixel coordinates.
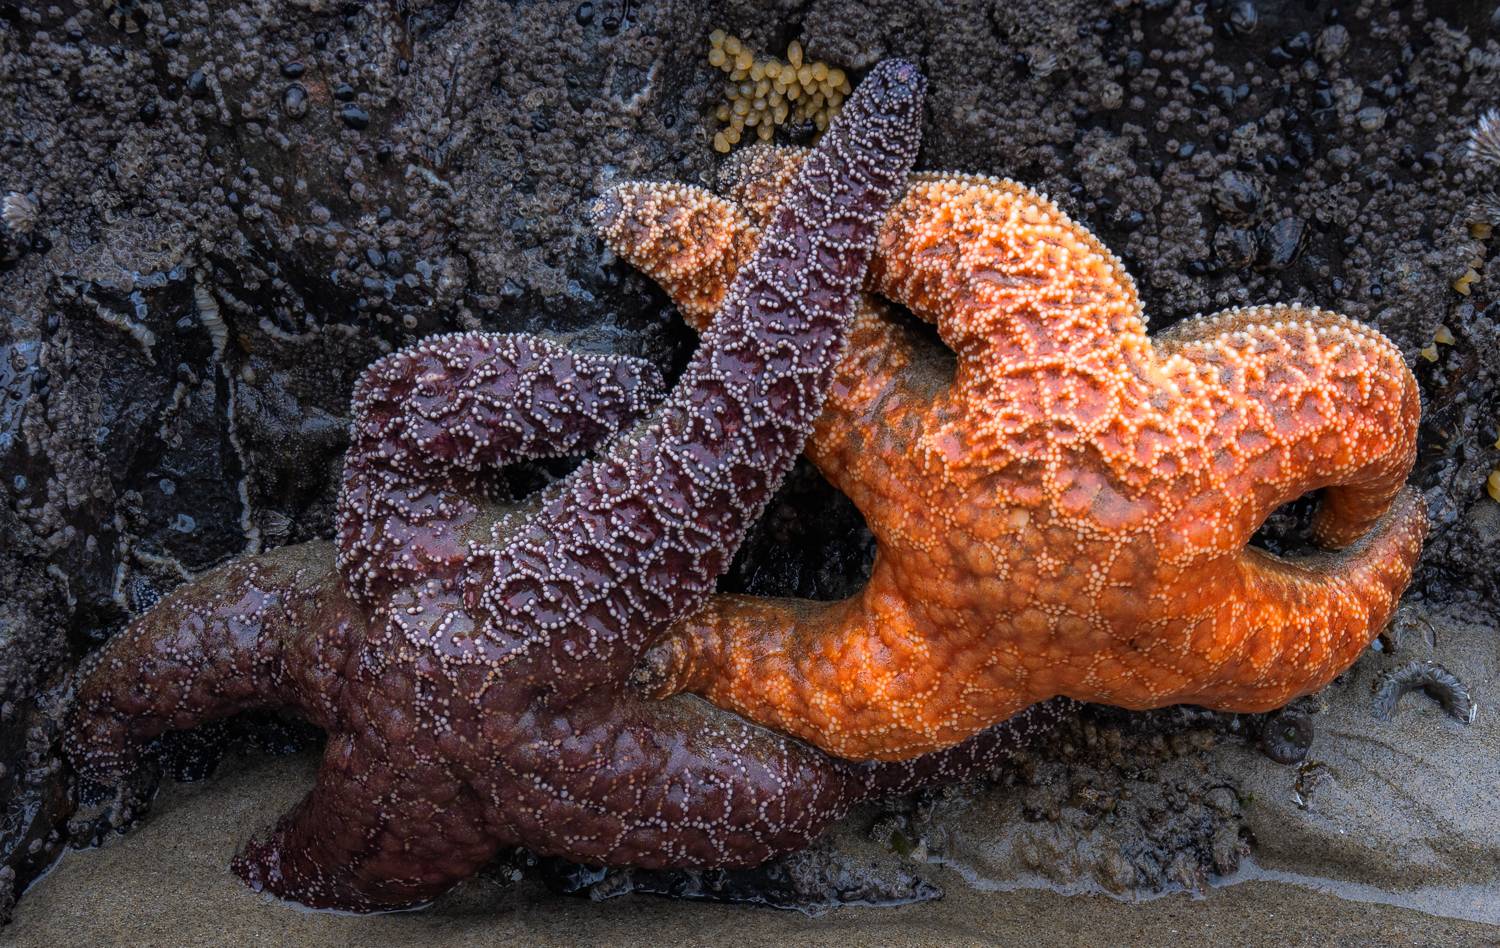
(432, 419)
(705, 789)
(675, 783)
(383, 828)
(688, 241)
(867, 678)
(881, 399)
(1294, 400)
(692, 244)
(1008, 278)
(234, 640)
(754, 178)
(636, 538)
(1287, 626)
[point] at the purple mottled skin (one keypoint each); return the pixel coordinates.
(469, 657)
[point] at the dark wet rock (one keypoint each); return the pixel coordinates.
(813, 882)
(211, 257)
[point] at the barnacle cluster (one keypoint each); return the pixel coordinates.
(1483, 155)
(764, 92)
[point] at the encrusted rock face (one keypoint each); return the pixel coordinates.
(275, 157)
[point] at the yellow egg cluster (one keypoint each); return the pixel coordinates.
(1444, 336)
(763, 91)
(1463, 283)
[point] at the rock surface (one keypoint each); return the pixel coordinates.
(231, 209)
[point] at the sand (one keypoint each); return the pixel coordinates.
(167, 883)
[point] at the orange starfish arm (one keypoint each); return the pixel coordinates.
(687, 239)
(691, 241)
(871, 678)
(878, 677)
(1299, 399)
(1003, 272)
(1292, 624)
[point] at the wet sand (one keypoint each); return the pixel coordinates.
(168, 883)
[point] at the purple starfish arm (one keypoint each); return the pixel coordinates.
(435, 421)
(638, 537)
(268, 632)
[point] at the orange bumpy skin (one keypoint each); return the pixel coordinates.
(1066, 509)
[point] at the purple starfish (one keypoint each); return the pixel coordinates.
(469, 657)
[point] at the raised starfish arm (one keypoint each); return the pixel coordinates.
(237, 639)
(692, 243)
(637, 537)
(433, 423)
(1009, 279)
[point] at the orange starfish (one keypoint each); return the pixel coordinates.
(1064, 510)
